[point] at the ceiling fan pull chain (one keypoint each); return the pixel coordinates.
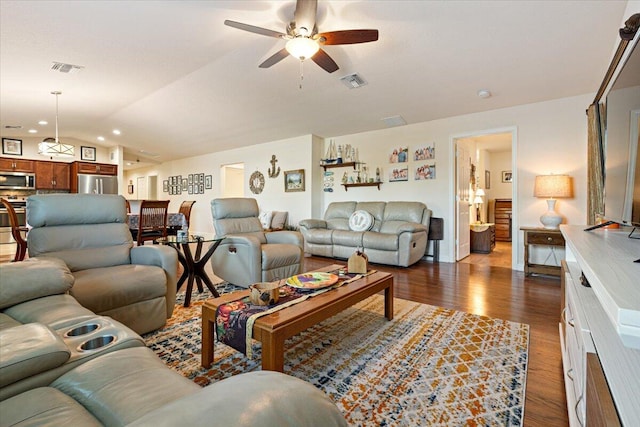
(301, 73)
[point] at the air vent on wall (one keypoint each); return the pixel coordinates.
(353, 81)
(66, 68)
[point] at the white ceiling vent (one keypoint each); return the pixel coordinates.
(394, 121)
(66, 68)
(353, 81)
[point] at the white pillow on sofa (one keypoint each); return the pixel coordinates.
(265, 219)
(361, 221)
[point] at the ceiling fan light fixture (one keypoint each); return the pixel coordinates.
(52, 147)
(302, 47)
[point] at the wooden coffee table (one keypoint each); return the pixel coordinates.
(273, 329)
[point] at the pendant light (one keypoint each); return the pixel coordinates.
(52, 147)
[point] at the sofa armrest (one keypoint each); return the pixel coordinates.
(165, 258)
(269, 399)
(313, 223)
(291, 237)
(28, 350)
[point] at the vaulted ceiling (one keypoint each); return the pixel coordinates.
(179, 83)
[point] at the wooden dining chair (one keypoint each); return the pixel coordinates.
(16, 231)
(185, 209)
(128, 205)
(153, 220)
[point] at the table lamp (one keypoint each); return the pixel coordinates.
(478, 201)
(552, 187)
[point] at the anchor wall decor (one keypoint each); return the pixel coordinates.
(273, 173)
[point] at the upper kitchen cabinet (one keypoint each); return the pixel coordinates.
(94, 168)
(53, 176)
(16, 165)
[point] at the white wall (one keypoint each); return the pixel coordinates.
(293, 153)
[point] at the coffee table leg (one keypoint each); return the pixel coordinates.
(208, 338)
(388, 302)
(273, 353)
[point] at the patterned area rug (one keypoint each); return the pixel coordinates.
(429, 366)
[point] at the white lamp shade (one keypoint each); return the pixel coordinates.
(302, 47)
(478, 200)
(480, 192)
(552, 186)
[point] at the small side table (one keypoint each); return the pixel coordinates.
(193, 265)
(545, 237)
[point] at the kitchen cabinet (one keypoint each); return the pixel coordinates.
(52, 175)
(94, 168)
(16, 165)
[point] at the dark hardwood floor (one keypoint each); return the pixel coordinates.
(501, 293)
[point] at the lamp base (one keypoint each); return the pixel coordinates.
(550, 219)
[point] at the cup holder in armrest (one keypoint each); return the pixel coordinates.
(82, 330)
(97, 343)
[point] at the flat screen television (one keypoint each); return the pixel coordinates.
(621, 142)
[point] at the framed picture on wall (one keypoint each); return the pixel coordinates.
(12, 146)
(165, 186)
(88, 153)
(487, 180)
(184, 184)
(294, 180)
(507, 176)
(190, 189)
(208, 182)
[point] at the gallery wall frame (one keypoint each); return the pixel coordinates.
(507, 176)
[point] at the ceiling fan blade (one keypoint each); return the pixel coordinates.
(323, 60)
(275, 58)
(348, 36)
(305, 15)
(254, 29)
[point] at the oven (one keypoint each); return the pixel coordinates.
(19, 205)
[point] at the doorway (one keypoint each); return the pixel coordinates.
(485, 177)
(232, 177)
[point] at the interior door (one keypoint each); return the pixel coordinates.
(463, 171)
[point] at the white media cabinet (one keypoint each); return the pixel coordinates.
(600, 327)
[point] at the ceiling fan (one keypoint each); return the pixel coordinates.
(304, 41)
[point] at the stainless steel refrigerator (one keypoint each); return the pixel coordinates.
(97, 184)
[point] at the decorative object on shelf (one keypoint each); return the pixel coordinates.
(345, 178)
(427, 152)
(256, 182)
(331, 154)
(12, 146)
(378, 178)
(52, 146)
(208, 181)
(552, 187)
(339, 158)
(294, 180)
(507, 176)
(273, 173)
(399, 174)
(425, 171)
(88, 153)
(479, 202)
(487, 179)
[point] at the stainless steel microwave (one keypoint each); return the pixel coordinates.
(17, 181)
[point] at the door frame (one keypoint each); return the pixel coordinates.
(516, 263)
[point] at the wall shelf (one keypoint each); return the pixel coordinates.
(362, 184)
(339, 165)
